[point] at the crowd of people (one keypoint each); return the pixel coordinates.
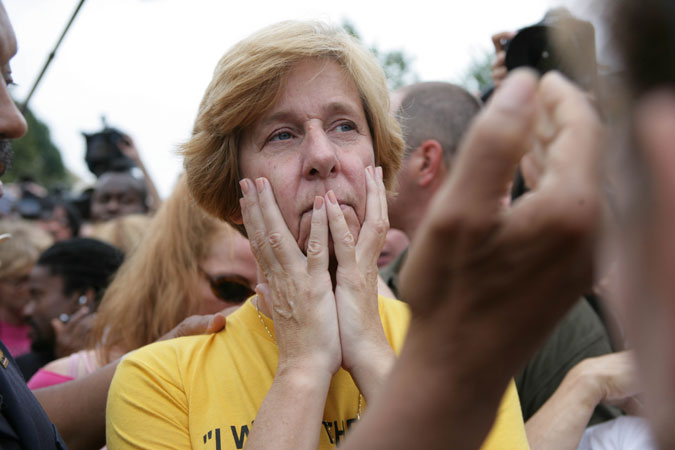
(343, 265)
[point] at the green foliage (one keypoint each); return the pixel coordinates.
(478, 75)
(396, 64)
(35, 155)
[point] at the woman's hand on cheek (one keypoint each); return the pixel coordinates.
(298, 292)
(366, 353)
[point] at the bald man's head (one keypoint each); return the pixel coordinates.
(435, 110)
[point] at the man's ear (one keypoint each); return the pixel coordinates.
(431, 166)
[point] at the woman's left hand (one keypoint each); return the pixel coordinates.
(366, 354)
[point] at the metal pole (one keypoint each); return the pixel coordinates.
(24, 105)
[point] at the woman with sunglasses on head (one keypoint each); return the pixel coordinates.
(189, 263)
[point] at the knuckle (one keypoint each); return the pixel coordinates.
(461, 221)
(347, 239)
(314, 247)
(257, 241)
(275, 240)
(267, 273)
(578, 218)
(381, 226)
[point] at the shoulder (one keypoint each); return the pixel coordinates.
(395, 317)
(183, 352)
(165, 353)
(60, 366)
(392, 308)
(508, 430)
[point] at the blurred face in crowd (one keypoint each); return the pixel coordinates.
(116, 195)
(229, 272)
(394, 244)
(314, 139)
(57, 224)
(47, 301)
(12, 123)
(14, 294)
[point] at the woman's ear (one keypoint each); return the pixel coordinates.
(88, 298)
(237, 218)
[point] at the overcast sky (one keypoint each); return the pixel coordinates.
(144, 64)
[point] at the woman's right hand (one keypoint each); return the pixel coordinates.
(296, 289)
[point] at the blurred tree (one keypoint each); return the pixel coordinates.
(396, 64)
(35, 155)
(478, 76)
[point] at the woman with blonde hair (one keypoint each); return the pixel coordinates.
(21, 243)
(124, 232)
(188, 263)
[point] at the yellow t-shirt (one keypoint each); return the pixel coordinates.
(203, 392)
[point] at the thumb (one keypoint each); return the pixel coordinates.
(216, 323)
(493, 147)
(57, 325)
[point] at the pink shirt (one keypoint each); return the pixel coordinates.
(44, 378)
(15, 338)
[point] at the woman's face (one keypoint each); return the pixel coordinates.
(14, 295)
(231, 261)
(315, 138)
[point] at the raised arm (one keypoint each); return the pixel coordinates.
(477, 272)
(77, 407)
(298, 294)
(366, 353)
(560, 423)
(128, 147)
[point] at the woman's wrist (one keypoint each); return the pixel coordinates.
(303, 379)
(371, 369)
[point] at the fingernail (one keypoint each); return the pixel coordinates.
(244, 186)
(318, 202)
(260, 183)
(379, 172)
(259, 292)
(369, 171)
(331, 197)
(516, 91)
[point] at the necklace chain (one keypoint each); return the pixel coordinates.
(269, 333)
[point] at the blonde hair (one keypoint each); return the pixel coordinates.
(19, 253)
(124, 232)
(247, 82)
(154, 289)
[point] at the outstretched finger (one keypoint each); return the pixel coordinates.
(494, 145)
(376, 224)
(575, 132)
(317, 245)
(255, 226)
(572, 140)
(279, 238)
(343, 239)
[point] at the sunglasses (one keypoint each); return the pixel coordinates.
(232, 288)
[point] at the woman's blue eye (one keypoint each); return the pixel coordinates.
(345, 127)
(281, 136)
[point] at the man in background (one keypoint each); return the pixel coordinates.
(434, 117)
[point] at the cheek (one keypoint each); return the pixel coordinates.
(208, 303)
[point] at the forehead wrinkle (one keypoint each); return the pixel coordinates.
(329, 109)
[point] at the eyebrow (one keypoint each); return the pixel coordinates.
(331, 108)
